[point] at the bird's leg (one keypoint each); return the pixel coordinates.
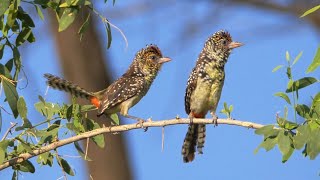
(214, 119)
(140, 121)
(191, 118)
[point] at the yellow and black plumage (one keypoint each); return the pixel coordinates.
(204, 88)
(125, 92)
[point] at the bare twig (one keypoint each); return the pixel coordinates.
(162, 142)
(8, 131)
(87, 148)
(122, 128)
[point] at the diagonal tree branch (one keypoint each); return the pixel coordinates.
(122, 128)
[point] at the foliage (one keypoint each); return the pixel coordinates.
(289, 135)
(59, 121)
(17, 28)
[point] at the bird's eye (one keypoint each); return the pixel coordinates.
(224, 42)
(153, 57)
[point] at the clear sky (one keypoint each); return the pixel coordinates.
(249, 86)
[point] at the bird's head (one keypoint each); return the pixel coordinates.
(149, 60)
(219, 45)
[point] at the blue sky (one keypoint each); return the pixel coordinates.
(249, 86)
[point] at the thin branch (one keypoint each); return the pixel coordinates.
(122, 128)
(9, 131)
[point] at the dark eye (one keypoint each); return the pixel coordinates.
(224, 42)
(153, 57)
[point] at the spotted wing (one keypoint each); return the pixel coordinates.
(121, 90)
(191, 85)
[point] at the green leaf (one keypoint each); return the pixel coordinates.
(277, 68)
(115, 119)
(25, 18)
(285, 145)
(316, 100)
(69, 3)
(86, 108)
(47, 109)
(45, 159)
(301, 83)
(31, 38)
(26, 124)
(3, 149)
(316, 61)
(80, 151)
(302, 136)
(25, 166)
(65, 166)
(12, 15)
(297, 58)
(67, 18)
(283, 96)
(313, 146)
(267, 144)
(84, 27)
(22, 107)
(310, 11)
(264, 130)
(303, 110)
(99, 139)
(14, 175)
(40, 14)
(1, 49)
(9, 66)
(108, 31)
(231, 108)
(289, 74)
(287, 56)
(11, 95)
(4, 6)
(4, 71)
(290, 125)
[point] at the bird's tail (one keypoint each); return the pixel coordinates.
(67, 86)
(195, 137)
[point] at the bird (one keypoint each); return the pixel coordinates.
(126, 91)
(204, 88)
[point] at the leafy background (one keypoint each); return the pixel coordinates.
(249, 87)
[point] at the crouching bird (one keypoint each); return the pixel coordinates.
(126, 91)
(204, 89)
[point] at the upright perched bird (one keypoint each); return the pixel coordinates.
(204, 89)
(125, 92)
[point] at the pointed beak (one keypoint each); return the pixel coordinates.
(233, 45)
(163, 60)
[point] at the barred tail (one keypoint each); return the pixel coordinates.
(195, 137)
(64, 85)
(201, 137)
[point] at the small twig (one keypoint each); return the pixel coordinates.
(87, 148)
(121, 128)
(8, 131)
(59, 161)
(162, 142)
(70, 156)
(105, 20)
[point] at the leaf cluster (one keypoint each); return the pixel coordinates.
(288, 135)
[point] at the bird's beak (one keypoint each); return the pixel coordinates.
(163, 60)
(233, 45)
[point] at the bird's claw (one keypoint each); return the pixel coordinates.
(140, 122)
(191, 120)
(214, 119)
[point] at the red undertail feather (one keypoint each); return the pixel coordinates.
(95, 101)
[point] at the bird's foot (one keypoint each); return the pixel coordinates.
(191, 120)
(214, 119)
(140, 121)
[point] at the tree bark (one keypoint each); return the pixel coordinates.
(84, 63)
